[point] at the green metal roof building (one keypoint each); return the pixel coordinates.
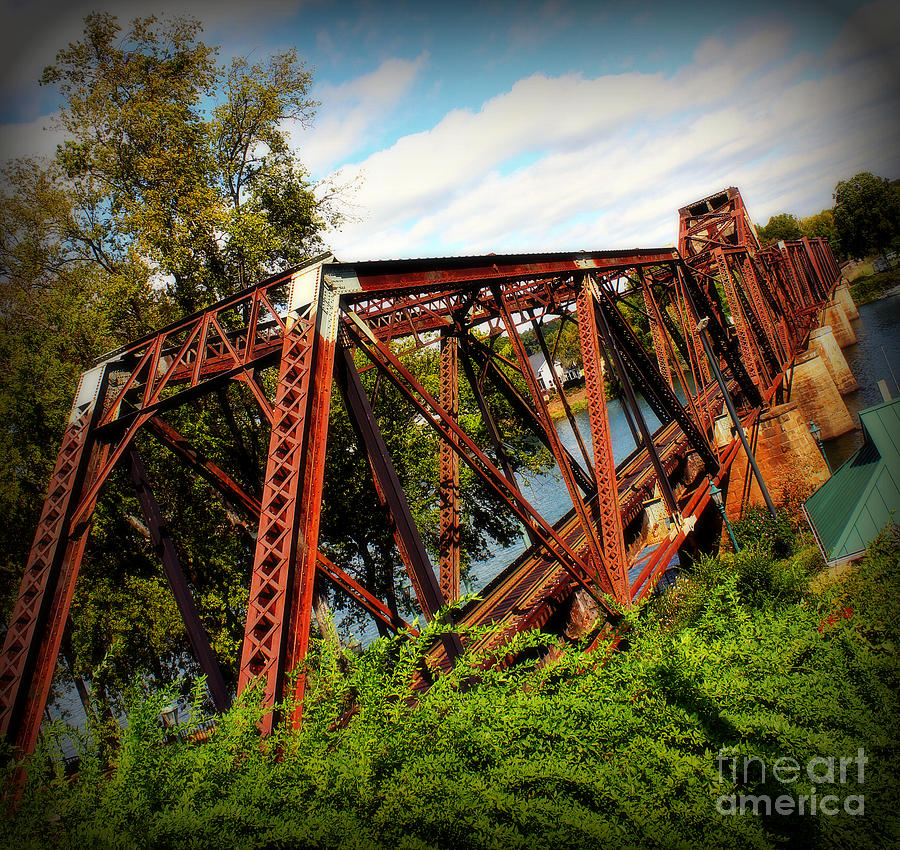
(863, 497)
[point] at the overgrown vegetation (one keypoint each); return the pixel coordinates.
(873, 287)
(742, 659)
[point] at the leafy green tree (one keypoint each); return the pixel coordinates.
(866, 214)
(781, 226)
(175, 185)
(181, 162)
(822, 225)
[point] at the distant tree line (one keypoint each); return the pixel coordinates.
(864, 220)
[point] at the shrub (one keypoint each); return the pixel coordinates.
(758, 528)
(587, 752)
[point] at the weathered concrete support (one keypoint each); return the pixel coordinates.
(845, 299)
(840, 324)
(787, 455)
(655, 528)
(723, 429)
(818, 398)
(822, 341)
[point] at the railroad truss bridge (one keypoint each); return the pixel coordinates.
(325, 322)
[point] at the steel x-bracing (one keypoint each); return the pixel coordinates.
(317, 323)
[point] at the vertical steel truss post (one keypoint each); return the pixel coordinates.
(656, 331)
(32, 642)
(279, 608)
(165, 547)
(611, 532)
(625, 380)
(751, 283)
(769, 365)
(822, 278)
(448, 491)
(741, 326)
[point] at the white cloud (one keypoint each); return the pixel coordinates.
(350, 110)
(608, 161)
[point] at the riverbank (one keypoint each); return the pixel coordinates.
(875, 286)
(577, 398)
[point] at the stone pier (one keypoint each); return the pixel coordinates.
(822, 341)
(845, 299)
(787, 456)
(840, 324)
(654, 527)
(817, 396)
(723, 429)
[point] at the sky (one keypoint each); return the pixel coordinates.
(470, 128)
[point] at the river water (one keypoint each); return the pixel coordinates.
(875, 357)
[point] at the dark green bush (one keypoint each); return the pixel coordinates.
(581, 753)
(774, 536)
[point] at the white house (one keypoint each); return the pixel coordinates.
(541, 369)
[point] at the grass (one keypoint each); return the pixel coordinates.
(873, 286)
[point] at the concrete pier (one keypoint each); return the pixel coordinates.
(845, 299)
(723, 429)
(788, 458)
(822, 341)
(817, 396)
(840, 324)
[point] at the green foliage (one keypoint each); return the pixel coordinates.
(822, 225)
(866, 214)
(576, 753)
(873, 287)
(185, 164)
(781, 226)
(758, 528)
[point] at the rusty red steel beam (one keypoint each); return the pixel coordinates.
(610, 520)
(448, 483)
(394, 275)
(342, 579)
(279, 607)
(32, 640)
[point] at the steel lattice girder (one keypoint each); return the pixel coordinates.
(292, 321)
